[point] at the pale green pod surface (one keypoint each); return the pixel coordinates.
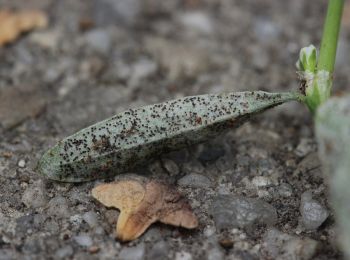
(333, 135)
(130, 138)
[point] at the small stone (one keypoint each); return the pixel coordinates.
(46, 39)
(93, 249)
(261, 181)
(76, 219)
(226, 243)
(215, 253)
(58, 206)
(35, 195)
(133, 253)
(310, 165)
(159, 251)
(305, 146)
(285, 190)
(178, 60)
(171, 167)
(211, 153)
(64, 252)
(266, 31)
(196, 22)
(195, 180)
(99, 40)
(90, 217)
(284, 246)
(313, 214)
(83, 240)
(142, 69)
(21, 163)
(236, 211)
(183, 256)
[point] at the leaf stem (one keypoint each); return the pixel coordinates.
(330, 35)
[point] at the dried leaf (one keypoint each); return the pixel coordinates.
(15, 23)
(142, 204)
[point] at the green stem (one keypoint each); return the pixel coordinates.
(330, 36)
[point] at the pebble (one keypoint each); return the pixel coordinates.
(179, 60)
(34, 195)
(195, 180)
(215, 253)
(261, 181)
(90, 218)
(133, 253)
(159, 251)
(313, 214)
(142, 69)
(58, 206)
(285, 190)
(64, 252)
(21, 163)
(284, 246)
(99, 40)
(46, 39)
(211, 153)
(171, 167)
(183, 256)
(236, 211)
(305, 146)
(196, 22)
(83, 240)
(266, 31)
(76, 219)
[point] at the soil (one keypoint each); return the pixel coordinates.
(100, 57)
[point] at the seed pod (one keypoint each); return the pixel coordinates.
(333, 135)
(131, 138)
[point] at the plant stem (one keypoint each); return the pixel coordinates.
(330, 36)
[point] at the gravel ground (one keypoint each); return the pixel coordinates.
(258, 191)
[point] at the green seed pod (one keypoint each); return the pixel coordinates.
(131, 138)
(333, 136)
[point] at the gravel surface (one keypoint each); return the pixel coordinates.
(258, 191)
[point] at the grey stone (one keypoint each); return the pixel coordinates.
(285, 190)
(210, 153)
(91, 218)
(24, 223)
(141, 70)
(133, 253)
(313, 214)
(83, 240)
(195, 180)
(171, 167)
(64, 252)
(21, 163)
(178, 60)
(183, 256)
(159, 251)
(99, 40)
(215, 253)
(236, 211)
(196, 22)
(35, 195)
(266, 31)
(284, 246)
(305, 146)
(58, 206)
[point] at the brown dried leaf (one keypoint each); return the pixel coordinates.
(15, 23)
(142, 204)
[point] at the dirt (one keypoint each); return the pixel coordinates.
(98, 58)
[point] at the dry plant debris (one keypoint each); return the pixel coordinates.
(15, 23)
(143, 203)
